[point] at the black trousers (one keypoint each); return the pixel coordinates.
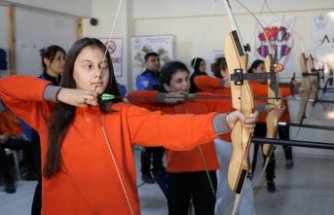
(261, 131)
(284, 133)
(5, 168)
(15, 144)
(151, 155)
(36, 206)
(195, 186)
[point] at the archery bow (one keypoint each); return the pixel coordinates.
(314, 78)
(272, 118)
(274, 97)
(304, 96)
(107, 142)
(242, 100)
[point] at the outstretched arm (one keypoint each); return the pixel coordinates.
(180, 131)
(24, 95)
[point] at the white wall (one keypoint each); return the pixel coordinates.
(4, 36)
(186, 8)
(44, 29)
(80, 8)
(105, 12)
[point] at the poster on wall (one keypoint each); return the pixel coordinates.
(114, 46)
(323, 39)
(279, 35)
(141, 45)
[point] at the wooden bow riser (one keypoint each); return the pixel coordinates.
(271, 119)
(304, 97)
(314, 79)
(242, 98)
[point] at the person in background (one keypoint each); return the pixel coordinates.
(148, 80)
(220, 85)
(12, 137)
(121, 89)
(199, 66)
(260, 89)
(191, 175)
(53, 61)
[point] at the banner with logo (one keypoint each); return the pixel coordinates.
(323, 39)
(279, 34)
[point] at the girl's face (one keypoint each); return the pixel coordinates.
(91, 71)
(179, 82)
(202, 66)
(260, 69)
(56, 67)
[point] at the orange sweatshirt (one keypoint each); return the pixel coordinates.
(88, 182)
(261, 90)
(186, 161)
(9, 124)
(213, 85)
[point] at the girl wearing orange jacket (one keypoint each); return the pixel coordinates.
(191, 175)
(261, 89)
(86, 143)
(12, 137)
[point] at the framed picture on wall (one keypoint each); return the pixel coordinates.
(115, 48)
(141, 45)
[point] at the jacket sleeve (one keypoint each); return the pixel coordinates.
(145, 98)
(176, 132)
(212, 85)
(285, 91)
(259, 89)
(3, 126)
(215, 102)
(207, 83)
(24, 96)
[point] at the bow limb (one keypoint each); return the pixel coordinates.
(314, 78)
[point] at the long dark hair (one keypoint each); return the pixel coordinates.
(196, 63)
(218, 65)
(168, 70)
(50, 54)
(255, 64)
(63, 114)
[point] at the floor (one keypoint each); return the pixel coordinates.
(307, 188)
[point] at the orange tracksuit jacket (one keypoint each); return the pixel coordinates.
(185, 161)
(210, 84)
(261, 90)
(88, 182)
(8, 124)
